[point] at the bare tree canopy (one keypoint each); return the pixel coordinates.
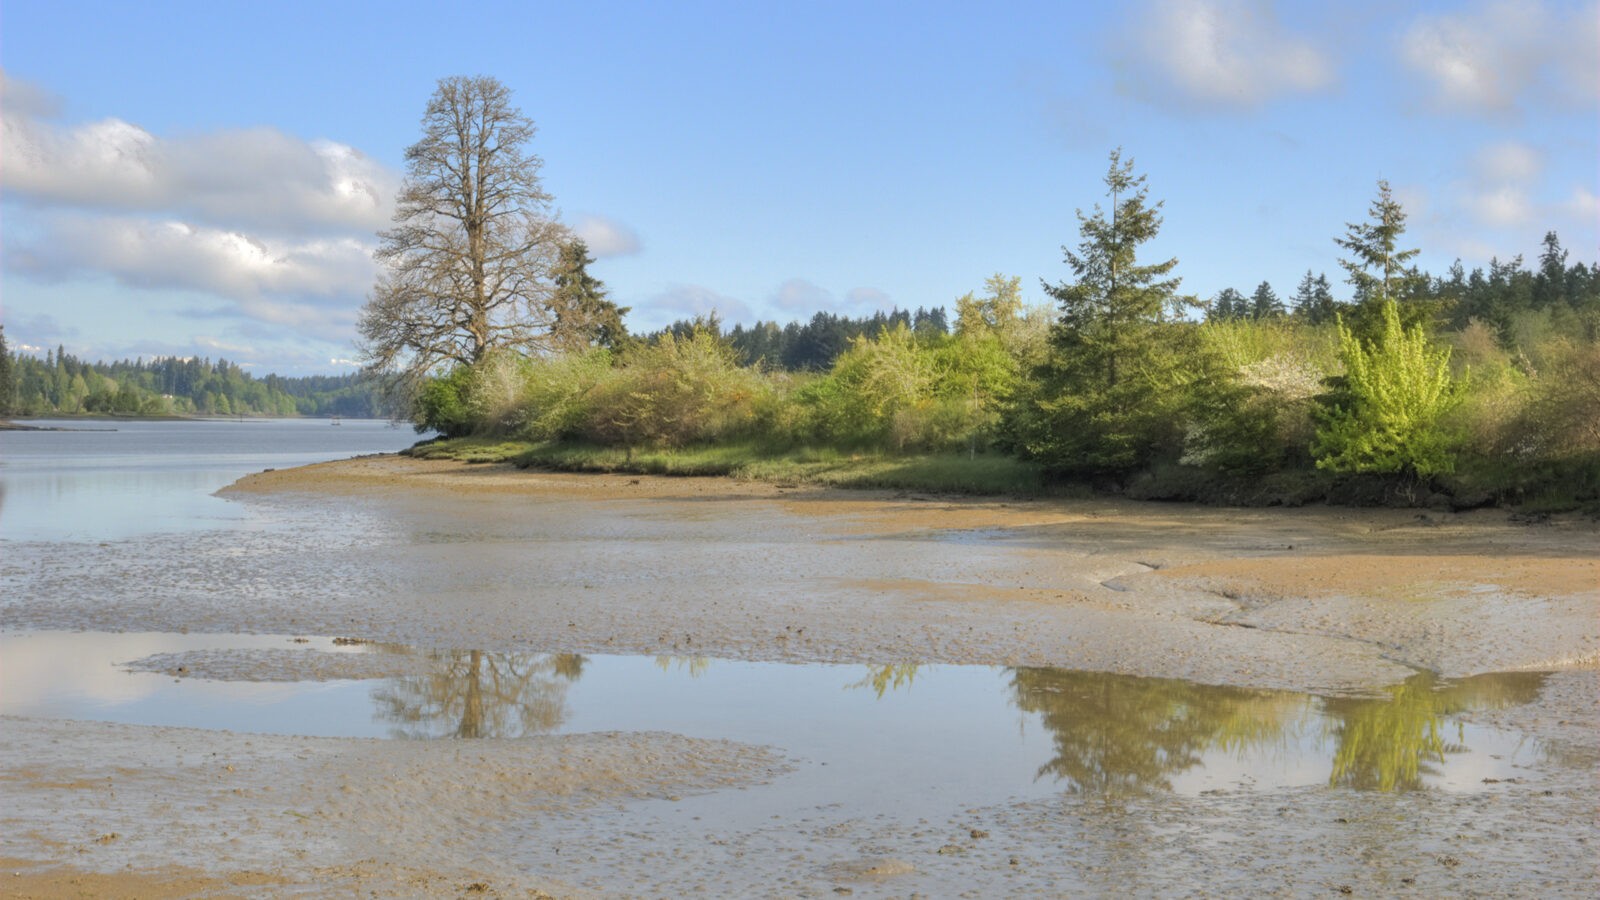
(466, 269)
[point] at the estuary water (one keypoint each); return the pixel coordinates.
(98, 480)
(985, 733)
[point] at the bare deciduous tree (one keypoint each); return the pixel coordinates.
(466, 269)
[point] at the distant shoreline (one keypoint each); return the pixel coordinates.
(18, 423)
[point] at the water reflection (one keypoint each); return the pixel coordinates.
(1391, 744)
(886, 678)
(693, 666)
(1080, 732)
(1111, 734)
(474, 694)
(1117, 734)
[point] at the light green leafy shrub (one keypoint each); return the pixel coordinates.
(1386, 415)
(674, 392)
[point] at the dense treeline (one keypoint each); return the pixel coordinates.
(1464, 389)
(62, 384)
(813, 345)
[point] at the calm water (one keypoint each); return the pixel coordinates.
(973, 734)
(950, 729)
(108, 480)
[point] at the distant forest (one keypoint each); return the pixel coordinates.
(62, 384)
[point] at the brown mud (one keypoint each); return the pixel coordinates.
(444, 555)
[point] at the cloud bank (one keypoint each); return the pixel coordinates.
(606, 237)
(1504, 56)
(1221, 53)
(279, 229)
(257, 177)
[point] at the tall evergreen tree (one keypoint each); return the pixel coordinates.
(1105, 397)
(1264, 303)
(1313, 299)
(1550, 284)
(582, 316)
(1227, 305)
(1114, 299)
(1378, 268)
(8, 378)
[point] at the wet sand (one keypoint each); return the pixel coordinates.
(443, 555)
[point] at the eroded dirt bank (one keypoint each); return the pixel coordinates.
(449, 556)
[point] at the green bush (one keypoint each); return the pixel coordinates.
(674, 392)
(442, 404)
(556, 391)
(1386, 415)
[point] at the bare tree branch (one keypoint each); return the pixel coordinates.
(467, 265)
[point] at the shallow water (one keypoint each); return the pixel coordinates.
(79, 506)
(972, 733)
(100, 480)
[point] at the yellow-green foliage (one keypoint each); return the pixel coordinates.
(496, 391)
(1494, 394)
(1253, 408)
(1562, 418)
(899, 392)
(556, 392)
(1389, 416)
(676, 391)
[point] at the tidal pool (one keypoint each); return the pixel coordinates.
(967, 734)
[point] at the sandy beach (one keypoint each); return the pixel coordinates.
(1331, 602)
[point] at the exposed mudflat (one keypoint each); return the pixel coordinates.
(443, 555)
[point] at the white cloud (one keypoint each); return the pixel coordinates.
(1222, 53)
(23, 98)
(278, 229)
(1582, 204)
(607, 237)
(211, 343)
(689, 300)
(1503, 206)
(798, 296)
(1509, 161)
(868, 299)
(257, 177)
(1501, 55)
(1499, 193)
(305, 283)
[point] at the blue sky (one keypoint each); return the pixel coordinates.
(207, 178)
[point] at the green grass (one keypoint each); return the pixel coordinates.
(470, 449)
(933, 472)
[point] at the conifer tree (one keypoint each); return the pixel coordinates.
(583, 317)
(1264, 303)
(1378, 268)
(1105, 401)
(1313, 300)
(8, 381)
(1229, 304)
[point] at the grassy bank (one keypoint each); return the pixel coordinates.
(936, 472)
(991, 474)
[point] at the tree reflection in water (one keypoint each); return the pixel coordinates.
(695, 666)
(886, 678)
(1116, 733)
(1113, 734)
(1391, 744)
(476, 694)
